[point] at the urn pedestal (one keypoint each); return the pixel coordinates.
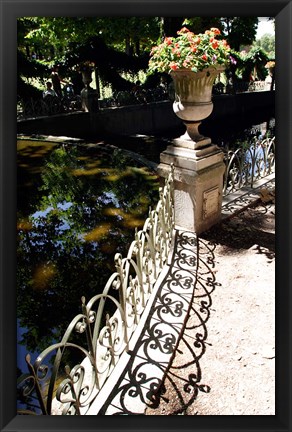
(198, 164)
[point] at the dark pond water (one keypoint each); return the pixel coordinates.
(231, 133)
(77, 205)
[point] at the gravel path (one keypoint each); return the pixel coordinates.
(225, 361)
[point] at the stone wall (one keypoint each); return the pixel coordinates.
(148, 119)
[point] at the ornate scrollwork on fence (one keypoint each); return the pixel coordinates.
(245, 166)
(67, 376)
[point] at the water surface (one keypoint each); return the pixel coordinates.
(77, 205)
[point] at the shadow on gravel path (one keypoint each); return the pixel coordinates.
(225, 361)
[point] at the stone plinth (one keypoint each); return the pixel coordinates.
(198, 182)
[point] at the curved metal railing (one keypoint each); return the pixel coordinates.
(244, 166)
(67, 376)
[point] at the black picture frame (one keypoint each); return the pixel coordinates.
(9, 11)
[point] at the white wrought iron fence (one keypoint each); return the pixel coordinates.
(95, 338)
(246, 165)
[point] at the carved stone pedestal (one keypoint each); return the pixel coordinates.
(198, 182)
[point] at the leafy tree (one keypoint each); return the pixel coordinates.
(129, 34)
(27, 66)
(200, 24)
(239, 30)
(267, 44)
(254, 63)
(116, 45)
(109, 62)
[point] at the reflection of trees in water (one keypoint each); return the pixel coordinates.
(75, 219)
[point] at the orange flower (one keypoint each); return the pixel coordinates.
(183, 30)
(215, 30)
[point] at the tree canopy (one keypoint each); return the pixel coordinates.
(116, 45)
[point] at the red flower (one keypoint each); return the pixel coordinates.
(215, 44)
(204, 57)
(173, 66)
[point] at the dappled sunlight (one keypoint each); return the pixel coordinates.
(112, 211)
(98, 233)
(129, 219)
(87, 172)
(34, 149)
(43, 276)
(133, 222)
(113, 177)
(24, 225)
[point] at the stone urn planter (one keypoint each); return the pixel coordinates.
(193, 99)
(193, 61)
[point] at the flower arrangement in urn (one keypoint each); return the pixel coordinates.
(194, 62)
(195, 52)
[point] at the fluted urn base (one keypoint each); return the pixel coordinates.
(193, 101)
(192, 138)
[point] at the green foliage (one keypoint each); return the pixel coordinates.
(267, 44)
(239, 31)
(200, 24)
(28, 68)
(110, 63)
(117, 45)
(254, 61)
